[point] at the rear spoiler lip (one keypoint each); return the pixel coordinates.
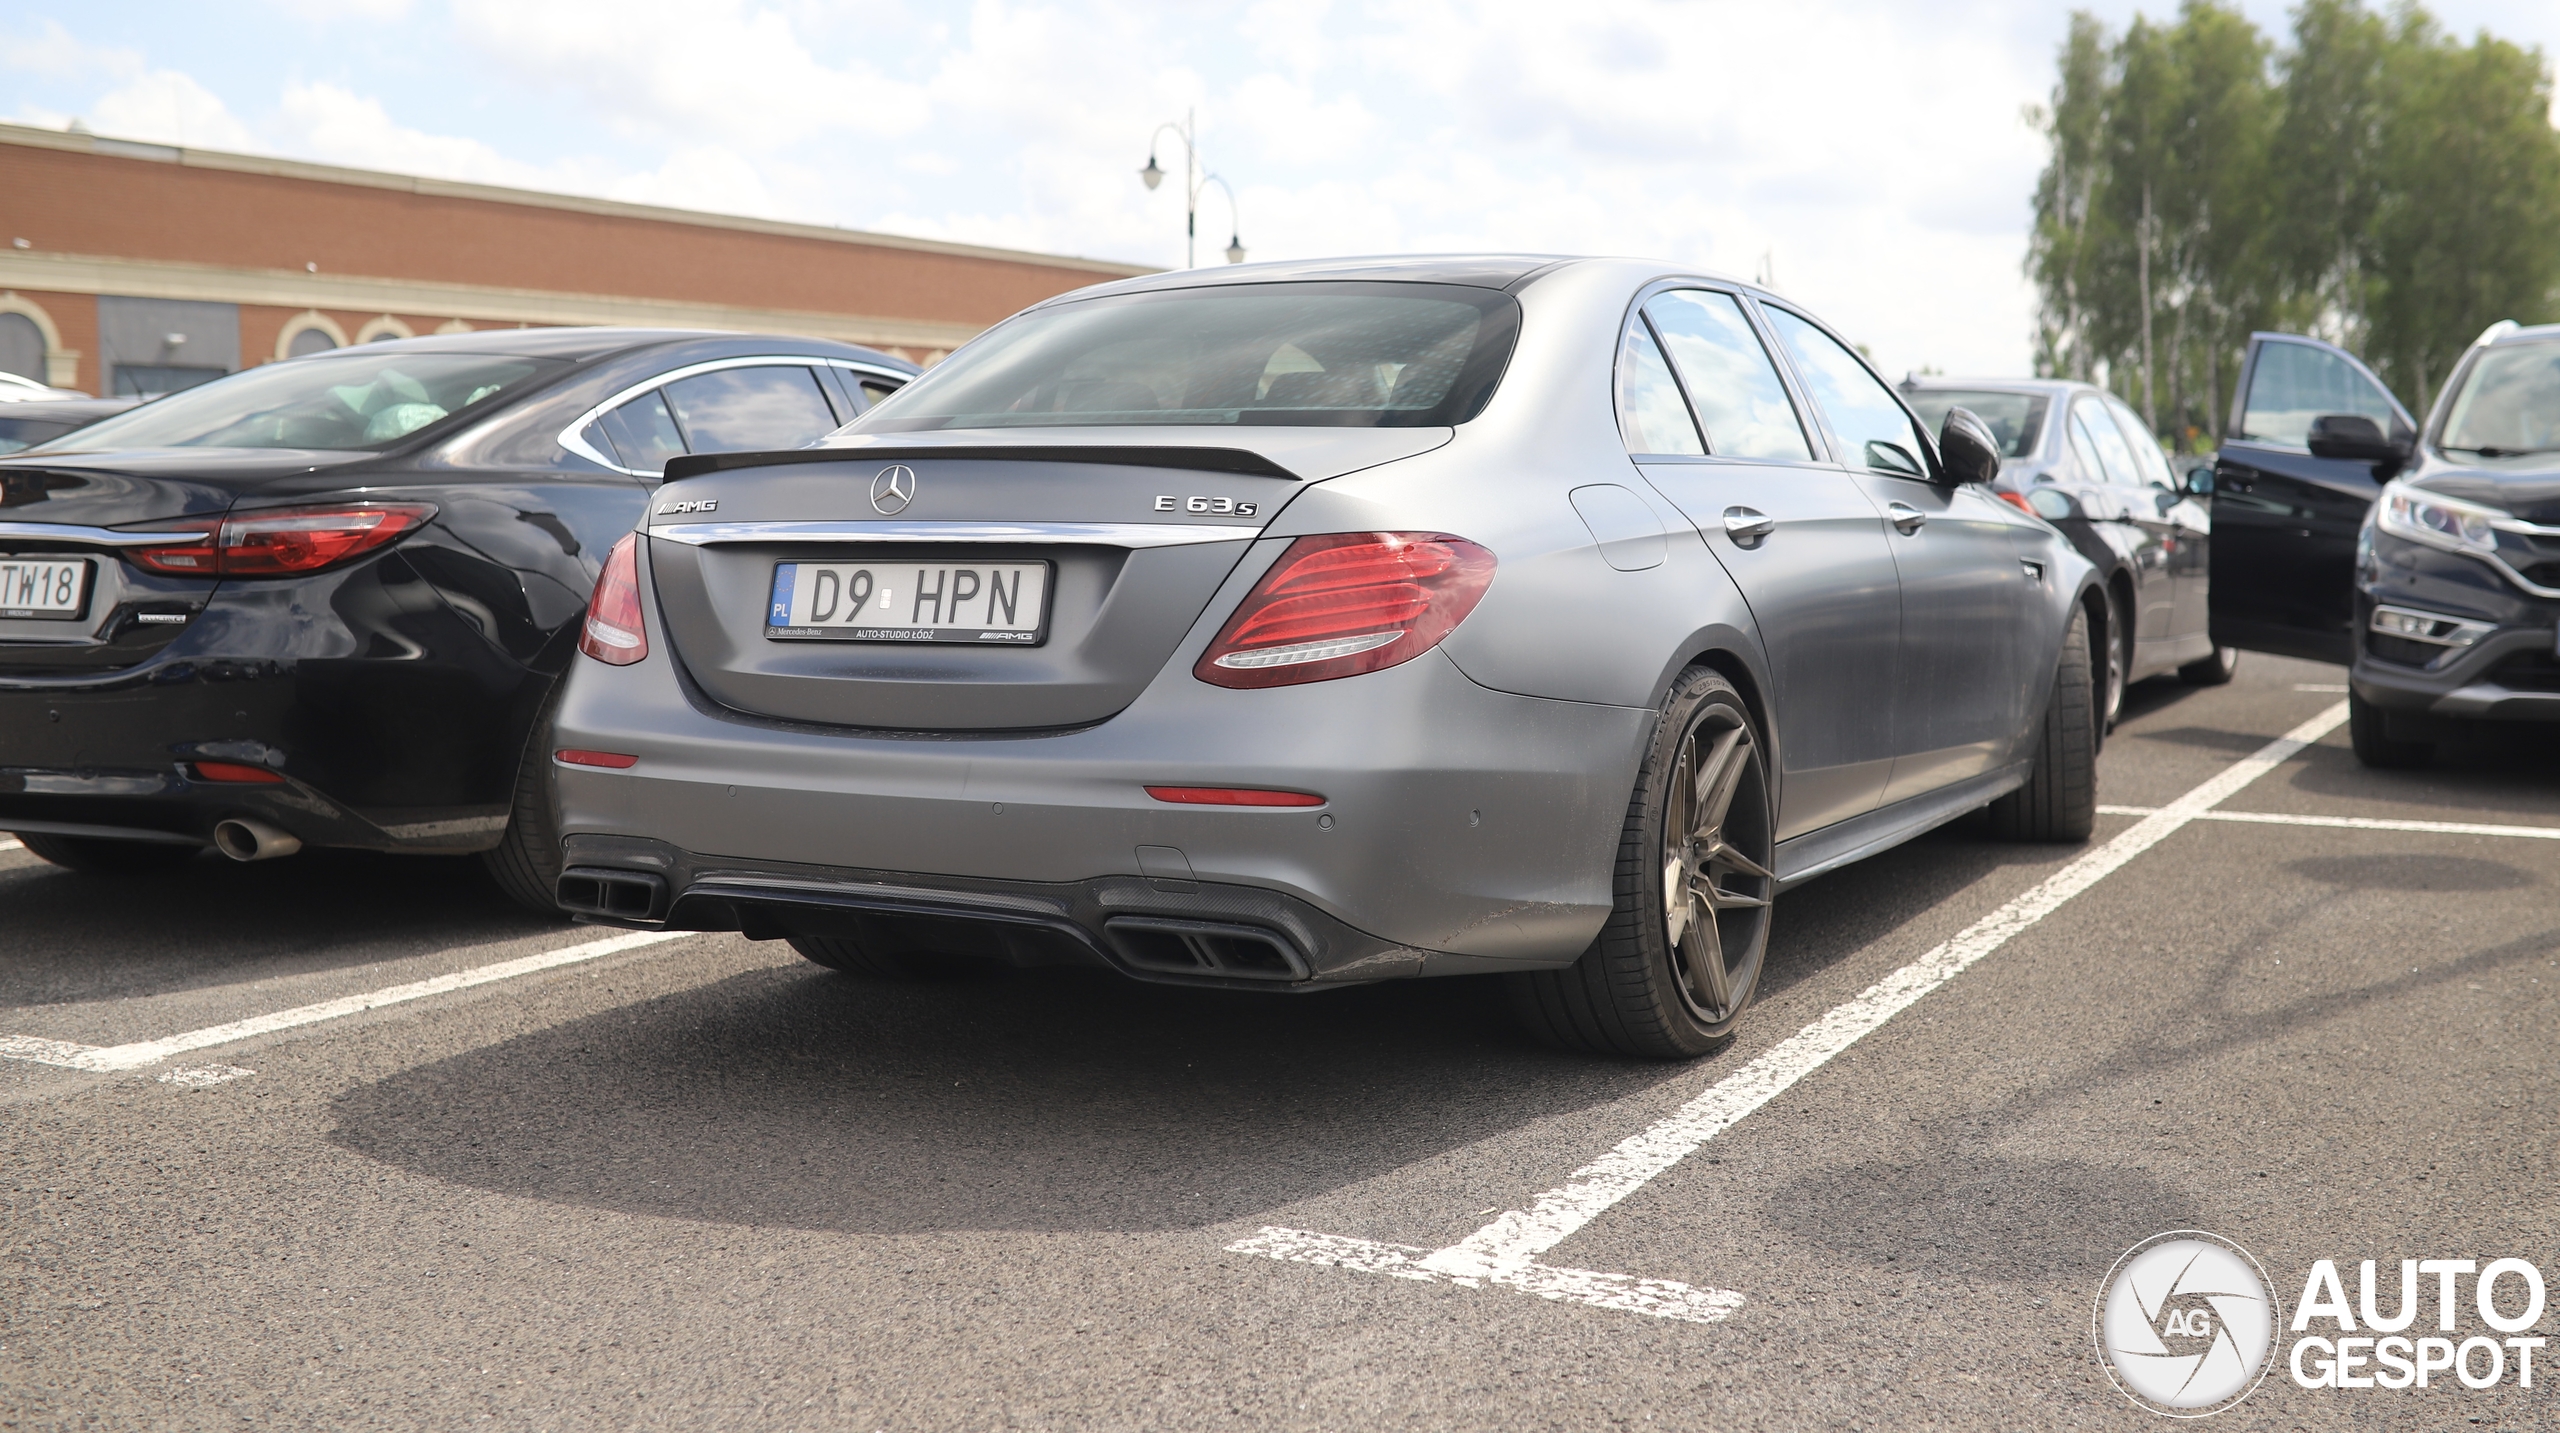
(1203, 460)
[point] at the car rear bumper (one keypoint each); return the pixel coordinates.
(1460, 828)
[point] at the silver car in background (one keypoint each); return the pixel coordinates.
(1305, 625)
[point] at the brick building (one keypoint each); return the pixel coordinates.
(139, 268)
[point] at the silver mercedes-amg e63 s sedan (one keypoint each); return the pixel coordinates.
(1303, 625)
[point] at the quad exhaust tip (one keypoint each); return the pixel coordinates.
(243, 839)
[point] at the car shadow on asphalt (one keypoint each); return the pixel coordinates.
(2501, 769)
(213, 922)
(1042, 1100)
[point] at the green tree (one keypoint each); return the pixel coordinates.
(2465, 225)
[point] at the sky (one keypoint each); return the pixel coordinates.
(1870, 157)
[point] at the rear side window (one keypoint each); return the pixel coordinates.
(2096, 434)
(2150, 465)
(2293, 383)
(735, 410)
(1651, 413)
(1873, 430)
(1279, 354)
(1729, 376)
(641, 432)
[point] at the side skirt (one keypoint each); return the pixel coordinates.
(1804, 857)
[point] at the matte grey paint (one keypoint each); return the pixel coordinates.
(1476, 792)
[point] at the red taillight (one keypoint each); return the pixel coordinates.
(278, 542)
(2018, 501)
(613, 759)
(614, 634)
(1346, 603)
(235, 772)
(1232, 796)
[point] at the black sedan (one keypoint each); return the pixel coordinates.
(326, 601)
(28, 422)
(2076, 456)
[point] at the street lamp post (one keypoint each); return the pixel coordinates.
(1193, 182)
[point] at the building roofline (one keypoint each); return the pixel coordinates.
(214, 159)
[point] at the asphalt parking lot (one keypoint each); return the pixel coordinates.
(701, 1183)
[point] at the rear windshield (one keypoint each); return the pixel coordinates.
(17, 433)
(355, 401)
(2510, 402)
(2016, 419)
(1372, 355)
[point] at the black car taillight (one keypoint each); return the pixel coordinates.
(277, 542)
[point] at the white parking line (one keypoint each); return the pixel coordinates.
(2356, 823)
(151, 1052)
(2319, 686)
(1504, 1253)
(12, 843)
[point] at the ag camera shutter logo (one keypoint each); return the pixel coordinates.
(2185, 1323)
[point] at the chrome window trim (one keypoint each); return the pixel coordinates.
(1113, 534)
(103, 537)
(574, 439)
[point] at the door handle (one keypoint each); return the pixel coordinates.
(1748, 525)
(1906, 518)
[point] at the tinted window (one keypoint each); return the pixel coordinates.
(738, 410)
(1873, 430)
(21, 346)
(2016, 419)
(873, 391)
(1730, 378)
(642, 432)
(2095, 435)
(2150, 465)
(2510, 401)
(17, 433)
(2294, 383)
(348, 400)
(1651, 413)
(1311, 354)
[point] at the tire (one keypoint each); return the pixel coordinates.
(104, 856)
(2370, 734)
(1680, 957)
(526, 861)
(853, 958)
(2060, 800)
(2212, 671)
(2119, 663)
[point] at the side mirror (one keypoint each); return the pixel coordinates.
(1967, 448)
(2354, 437)
(2199, 481)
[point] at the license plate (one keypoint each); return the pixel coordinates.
(44, 587)
(981, 603)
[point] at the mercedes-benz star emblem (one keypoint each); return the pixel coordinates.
(893, 489)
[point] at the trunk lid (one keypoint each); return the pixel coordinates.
(1133, 532)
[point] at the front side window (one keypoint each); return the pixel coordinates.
(2293, 383)
(350, 400)
(2509, 403)
(1285, 354)
(1873, 429)
(1729, 376)
(2016, 420)
(2150, 465)
(1651, 413)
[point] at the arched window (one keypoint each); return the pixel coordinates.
(310, 340)
(21, 347)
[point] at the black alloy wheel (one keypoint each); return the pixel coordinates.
(525, 863)
(1680, 956)
(2211, 671)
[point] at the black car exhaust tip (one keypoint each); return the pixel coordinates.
(1165, 946)
(611, 894)
(243, 839)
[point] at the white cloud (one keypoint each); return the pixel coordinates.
(377, 11)
(168, 107)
